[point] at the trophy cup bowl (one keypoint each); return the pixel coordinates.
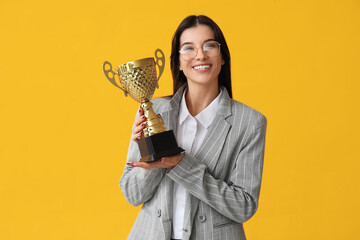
(138, 79)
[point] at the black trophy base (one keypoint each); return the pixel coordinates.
(157, 146)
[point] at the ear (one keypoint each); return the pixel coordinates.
(222, 61)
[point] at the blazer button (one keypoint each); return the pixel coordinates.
(159, 212)
(202, 218)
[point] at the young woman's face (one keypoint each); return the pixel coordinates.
(202, 69)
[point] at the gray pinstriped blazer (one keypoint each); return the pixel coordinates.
(222, 180)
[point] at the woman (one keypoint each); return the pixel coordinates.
(211, 189)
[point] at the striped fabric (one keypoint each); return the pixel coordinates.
(222, 179)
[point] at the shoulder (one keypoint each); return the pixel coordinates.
(243, 112)
(160, 104)
(161, 100)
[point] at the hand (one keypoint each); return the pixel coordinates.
(165, 162)
(140, 124)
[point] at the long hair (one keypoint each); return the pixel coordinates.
(191, 21)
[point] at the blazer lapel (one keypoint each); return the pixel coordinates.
(215, 138)
(170, 112)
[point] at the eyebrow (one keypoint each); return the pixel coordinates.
(187, 43)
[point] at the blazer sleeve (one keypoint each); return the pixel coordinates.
(137, 184)
(237, 198)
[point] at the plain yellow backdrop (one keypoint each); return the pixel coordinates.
(64, 129)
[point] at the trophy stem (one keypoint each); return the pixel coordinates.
(157, 142)
(153, 123)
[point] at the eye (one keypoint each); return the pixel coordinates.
(210, 45)
(187, 49)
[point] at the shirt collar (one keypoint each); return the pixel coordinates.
(206, 116)
(184, 112)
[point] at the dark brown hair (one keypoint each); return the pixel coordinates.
(191, 21)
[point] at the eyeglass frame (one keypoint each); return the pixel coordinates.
(197, 49)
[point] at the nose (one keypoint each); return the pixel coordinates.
(200, 54)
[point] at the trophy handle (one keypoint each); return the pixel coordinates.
(111, 73)
(160, 62)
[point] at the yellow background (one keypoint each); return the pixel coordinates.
(64, 129)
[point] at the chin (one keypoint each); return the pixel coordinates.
(203, 82)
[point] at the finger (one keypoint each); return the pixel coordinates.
(167, 162)
(144, 165)
(172, 158)
(155, 164)
(163, 160)
(139, 128)
(139, 120)
(141, 165)
(136, 136)
(172, 161)
(148, 166)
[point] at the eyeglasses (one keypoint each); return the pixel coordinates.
(189, 52)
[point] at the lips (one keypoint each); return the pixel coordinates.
(202, 67)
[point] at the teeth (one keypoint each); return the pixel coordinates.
(202, 67)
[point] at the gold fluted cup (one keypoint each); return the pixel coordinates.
(138, 79)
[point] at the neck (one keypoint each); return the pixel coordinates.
(199, 97)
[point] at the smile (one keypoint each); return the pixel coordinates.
(202, 67)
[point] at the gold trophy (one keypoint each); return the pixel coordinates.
(138, 79)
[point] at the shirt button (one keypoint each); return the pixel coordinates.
(202, 218)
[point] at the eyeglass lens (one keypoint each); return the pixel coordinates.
(189, 51)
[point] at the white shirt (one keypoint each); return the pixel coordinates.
(190, 134)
